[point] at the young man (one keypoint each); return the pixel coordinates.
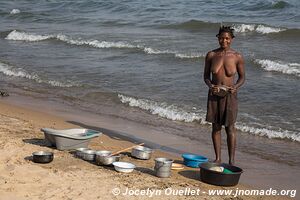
(221, 66)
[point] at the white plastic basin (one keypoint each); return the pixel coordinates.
(124, 167)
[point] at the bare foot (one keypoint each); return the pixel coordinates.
(217, 161)
(231, 162)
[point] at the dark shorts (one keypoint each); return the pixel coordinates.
(222, 110)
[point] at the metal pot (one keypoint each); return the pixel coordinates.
(106, 159)
(42, 157)
(88, 155)
(163, 167)
(141, 152)
(102, 153)
(79, 152)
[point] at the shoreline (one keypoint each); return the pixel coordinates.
(62, 117)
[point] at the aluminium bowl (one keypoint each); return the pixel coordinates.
(141, 152)
(124, 167)
(88, 155)
(42, 157)
(79, 152)
(107, 160)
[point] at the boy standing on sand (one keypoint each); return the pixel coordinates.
(221, 66)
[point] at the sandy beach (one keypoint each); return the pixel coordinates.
(68, 177)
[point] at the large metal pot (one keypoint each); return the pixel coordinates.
(141, 152)
(42, 157)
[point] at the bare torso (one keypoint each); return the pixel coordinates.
(223, 67)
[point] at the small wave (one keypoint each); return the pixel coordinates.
(94, 43)
(265, 29)
(190, 55)
(15, 11)
(279, 4)
(279, 66)
(149, 50)
(193, 25)
(164, 110)
(176, 113)
(243, 28)
(22, 36)
(239, 28)
(176, 54)
(280, 134)
(267, 6)
(11, 71)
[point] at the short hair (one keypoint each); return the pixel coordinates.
(226, 29)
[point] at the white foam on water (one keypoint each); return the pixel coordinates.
(175, 113)
(164, 110)
(281, 134)
(94, 43)
(176, 54)
(29, 37)
(15, 11)
(149, 50)
(190, 55)
(279, 66)
(7, 70)
(19, 72)
(265, 29)
(244, 28)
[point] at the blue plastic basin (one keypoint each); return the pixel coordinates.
(193, 160)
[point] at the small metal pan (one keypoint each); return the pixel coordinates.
(42, 157)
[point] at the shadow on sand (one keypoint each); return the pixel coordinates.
(38, 142)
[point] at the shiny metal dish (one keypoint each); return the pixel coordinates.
(42, 157)
(107, 160)
(79, 152)
(103, 153)
(88, 155)
(141, 152)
